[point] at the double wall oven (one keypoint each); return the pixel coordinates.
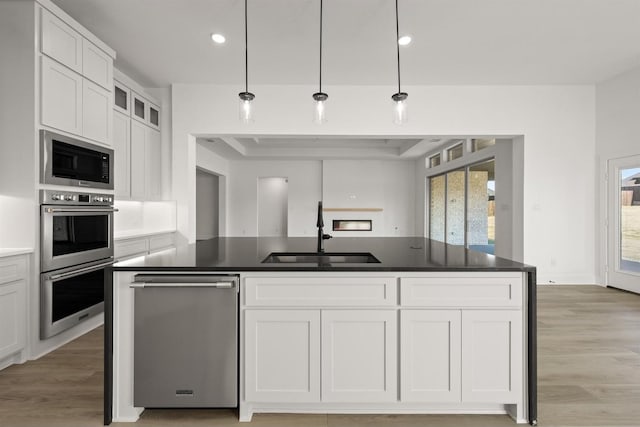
(76, 232)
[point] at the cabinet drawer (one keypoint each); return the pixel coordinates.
(320, 291)
(164, 241)
(60, 42)
(12, 269)
(460, 291)
(97, 65)
(129, 248)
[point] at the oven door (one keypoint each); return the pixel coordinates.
(73, 235)
(70, 296)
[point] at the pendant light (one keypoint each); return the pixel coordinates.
(320, 97)
(399, 98)
(246, 97)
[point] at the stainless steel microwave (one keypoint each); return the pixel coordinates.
(69, 161)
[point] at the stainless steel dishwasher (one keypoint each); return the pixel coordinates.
(185, 341)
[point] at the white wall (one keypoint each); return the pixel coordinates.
(617, 135)
(378, 184)
(556, 122)
(304, 187)
(273, 206)
(207, 205)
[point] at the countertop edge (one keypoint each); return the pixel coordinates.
(7, 252)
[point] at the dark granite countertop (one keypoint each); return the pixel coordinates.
(237, 254)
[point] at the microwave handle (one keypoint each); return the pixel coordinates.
(52, 210)
(82, 270)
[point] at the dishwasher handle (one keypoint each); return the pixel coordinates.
(182, 281)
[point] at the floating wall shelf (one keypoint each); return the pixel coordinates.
(352, 209)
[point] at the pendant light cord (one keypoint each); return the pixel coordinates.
(246, 50)
(398, 44)
(320, 89)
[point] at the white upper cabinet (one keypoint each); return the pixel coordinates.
(153, 164)
(122, 151)
(138, 160)
(96, 117)
(139, 108)
(60, 42)
(61, 97)
(97, 66)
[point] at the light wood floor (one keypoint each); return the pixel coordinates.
(589, 375)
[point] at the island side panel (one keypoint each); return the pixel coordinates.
(532, 346)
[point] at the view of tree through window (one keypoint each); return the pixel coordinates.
(630, 219)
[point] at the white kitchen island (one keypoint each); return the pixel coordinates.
(350, 340)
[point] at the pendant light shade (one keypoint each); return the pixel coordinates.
(399, 98)
(246, 97)
(320, 98)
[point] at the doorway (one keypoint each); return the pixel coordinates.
(207, 205)
(273, 206)
(623, 233)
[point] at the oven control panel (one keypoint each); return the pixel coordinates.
(56, 197)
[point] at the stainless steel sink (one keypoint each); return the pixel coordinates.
(321, 258)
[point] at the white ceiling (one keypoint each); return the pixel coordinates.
(455, 42)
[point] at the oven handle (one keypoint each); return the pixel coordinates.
(82, 270)
(98, 210)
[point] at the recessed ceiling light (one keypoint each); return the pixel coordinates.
(404, 40)
(218, 38)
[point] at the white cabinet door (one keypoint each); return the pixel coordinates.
(153, 164)
(12, 317)
(430, 366)
(122, 149)
(491, 356)
(61, 97)
(359, 356)
(60, 42)
(138, 160)
(97, 65)
(282, 351)
(96, 112)
(139, 108)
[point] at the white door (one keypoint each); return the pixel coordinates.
(282, 355)
(138, 160)
(273, 206)
(491, 356)
(122, 154)
(623, 231)
(97, 111)
(153, 164)
(359, 356)
(430, 365)
(61, 97)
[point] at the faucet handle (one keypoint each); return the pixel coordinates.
(327, 236)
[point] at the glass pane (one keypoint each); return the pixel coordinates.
(434, 161)
(77, 293)
(436, 208)
(481, 217)
(630, 219)
(121, 98)
(139, 108)
(153, 116)
(479, 144)
(454, 152)
(79, 233)
(455, 207)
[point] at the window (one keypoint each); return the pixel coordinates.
(455, 152)
(352, 225)
(480, 144)
(434, 160)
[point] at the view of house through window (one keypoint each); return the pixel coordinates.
(630, 219)
(464, 196)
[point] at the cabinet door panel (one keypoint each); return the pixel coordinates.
(282, 350)
(153, 164)
(97, 65)
(60, 42)
(61, 97)
(138, 160)
(122, 150)
(12, 318)
(96, 112)
(491, 356)
(430, 367)
(359, 356)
